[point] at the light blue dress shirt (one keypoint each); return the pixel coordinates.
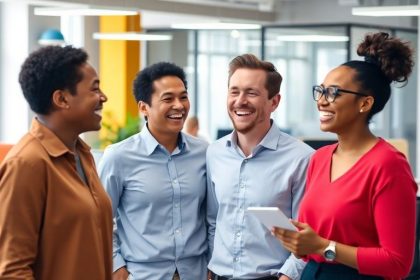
(273, 175)
(158, 201)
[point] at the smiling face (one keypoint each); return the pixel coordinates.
(347, 110)
(248, 105)
(85, 105)
(169, 107)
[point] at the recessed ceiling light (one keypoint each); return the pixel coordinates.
(312, 38)
(387, 11)
(132, 36)
(215, 25)
(83, 11)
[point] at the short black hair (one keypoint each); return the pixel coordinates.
(49, 69)
(143, 83)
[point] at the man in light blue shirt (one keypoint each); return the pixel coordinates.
(156, 180)
(256, 165)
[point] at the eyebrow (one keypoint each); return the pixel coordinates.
(246, 89)
(172, 93)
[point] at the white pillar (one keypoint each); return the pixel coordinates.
(14, 41)
(19, 33)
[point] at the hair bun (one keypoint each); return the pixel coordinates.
(393, 56)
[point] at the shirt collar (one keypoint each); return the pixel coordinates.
(151, 143)
(270, 140)
(51, 143)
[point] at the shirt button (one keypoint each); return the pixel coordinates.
(238, 234)
(177, 231)
(175, 181)
(236, 259)
(176, 205)
(169, 159)
(246, 161)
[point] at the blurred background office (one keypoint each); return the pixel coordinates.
(303, 38)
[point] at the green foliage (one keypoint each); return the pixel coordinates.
(114, 133)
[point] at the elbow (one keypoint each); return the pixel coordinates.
(400, 269)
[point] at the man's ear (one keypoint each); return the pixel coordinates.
(143, 108)
(275, 101)
(60, 99)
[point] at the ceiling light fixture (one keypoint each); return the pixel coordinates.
(131, 36)
(312, 38)
(387, 11)
(215, 26)
(51, 37)
(83, 11)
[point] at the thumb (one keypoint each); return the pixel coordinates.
(298, 224)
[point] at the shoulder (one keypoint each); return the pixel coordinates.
(324, 151)
(388, 156)
(219, 145)
(28, 156)
(195, 143)
(295, 146)
(121, 148)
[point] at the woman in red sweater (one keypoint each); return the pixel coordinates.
(357, 219)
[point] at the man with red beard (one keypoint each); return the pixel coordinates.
(255, 165)
(156, 180)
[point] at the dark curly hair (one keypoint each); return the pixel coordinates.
(47, 70)
(250, 61)
(387, 60)
(143, 83)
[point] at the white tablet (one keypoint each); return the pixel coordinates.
(271, 217)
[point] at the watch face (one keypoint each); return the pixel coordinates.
(329, 255)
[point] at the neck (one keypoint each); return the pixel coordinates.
(248, 140)
(356, 142)
(68, 137)
(168, 140)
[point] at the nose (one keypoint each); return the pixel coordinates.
(103, 97)
(177, 104)
(241, 99)
(323, 100)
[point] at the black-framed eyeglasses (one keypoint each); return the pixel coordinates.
(330, 93)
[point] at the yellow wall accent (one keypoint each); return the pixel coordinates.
(119, 62)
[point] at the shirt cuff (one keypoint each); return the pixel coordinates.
(118, 262)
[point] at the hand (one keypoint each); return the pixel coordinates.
(120, 274)
(304, 242)
(284, 277)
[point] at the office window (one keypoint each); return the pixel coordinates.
(303, 56)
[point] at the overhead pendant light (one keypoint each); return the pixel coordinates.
(387, 11)
(131, 36)
(51, 37)
(215, 26)
(312, 38)
(83, 11)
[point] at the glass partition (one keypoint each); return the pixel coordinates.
(303, 55)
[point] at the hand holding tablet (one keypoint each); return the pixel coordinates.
(271, 217)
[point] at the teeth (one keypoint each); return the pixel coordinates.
(243, 113)
(175, 116)
(98, 112)
(325, 114)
